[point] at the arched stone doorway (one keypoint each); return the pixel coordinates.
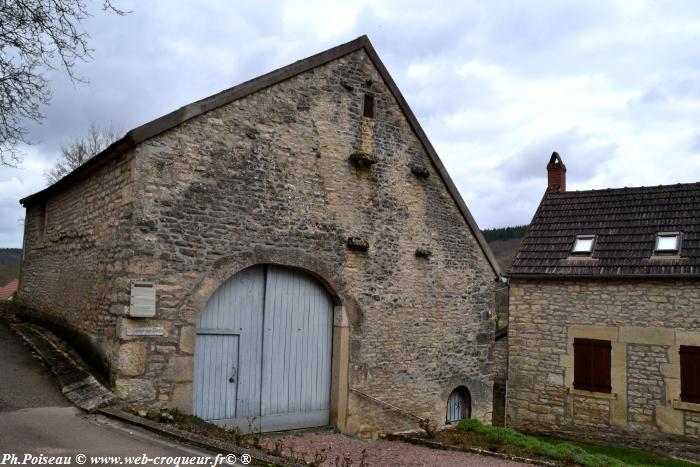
(263, 351)
(459, 405)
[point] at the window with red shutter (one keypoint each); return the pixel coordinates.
(690, 374)
(592, 365)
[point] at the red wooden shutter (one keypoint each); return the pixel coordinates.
(600, 366)
(592, 365)
(582, 364)
(690, 374)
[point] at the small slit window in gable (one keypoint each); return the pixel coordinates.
(667, 243)
(583, 245)
(368, 109)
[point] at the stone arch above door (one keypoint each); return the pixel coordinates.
(459, 405)
(480, 392)
(329, 274)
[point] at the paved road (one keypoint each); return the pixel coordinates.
(36, 419)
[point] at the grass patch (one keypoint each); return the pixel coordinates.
(625, 455)
(474, 434)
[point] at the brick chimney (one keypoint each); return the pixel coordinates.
(556, 173)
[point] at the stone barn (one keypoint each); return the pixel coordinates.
(287, 253)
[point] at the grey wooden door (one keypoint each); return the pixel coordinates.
(216, 365)
(281, 320)
(458, 405)
(296, 351)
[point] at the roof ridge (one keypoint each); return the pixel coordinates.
(628, 189)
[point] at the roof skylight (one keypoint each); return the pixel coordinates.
(667, 242)
(583, 245)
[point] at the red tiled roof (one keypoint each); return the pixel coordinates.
(625, 222)
(8, 289)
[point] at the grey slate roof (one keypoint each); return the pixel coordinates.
(625, 222)
(184, 113)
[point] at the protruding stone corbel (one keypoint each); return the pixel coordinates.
(358, 244)
(423, 252)
(420, 171)
(362, 160)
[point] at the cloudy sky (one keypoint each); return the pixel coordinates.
(614, 87)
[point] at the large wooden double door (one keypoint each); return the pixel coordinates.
(263, 352)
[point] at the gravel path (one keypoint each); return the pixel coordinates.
(377, 453)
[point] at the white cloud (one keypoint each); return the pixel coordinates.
(327, 19)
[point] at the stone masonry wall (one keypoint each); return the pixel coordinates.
(75, 251)
(500, 377)
(646, 322)
(645, 383)
(267, 179)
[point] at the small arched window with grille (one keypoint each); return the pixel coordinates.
(459, 405)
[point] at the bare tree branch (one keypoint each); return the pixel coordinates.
(108, 6)
(81, 150)
(36, 36)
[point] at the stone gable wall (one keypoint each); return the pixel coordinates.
(271, 172)
(267, 179)
(646, 322)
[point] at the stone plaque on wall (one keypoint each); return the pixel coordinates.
(146, 331)
(143, 300)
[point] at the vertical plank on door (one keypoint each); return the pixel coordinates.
(298, 343)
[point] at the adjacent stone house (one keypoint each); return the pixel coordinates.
(289, 252)
(604, 327)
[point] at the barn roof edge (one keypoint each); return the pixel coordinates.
(194, 109)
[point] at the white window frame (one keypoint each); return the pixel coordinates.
(589, 252)
(667, 251)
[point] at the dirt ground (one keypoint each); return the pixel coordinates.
(344, 451)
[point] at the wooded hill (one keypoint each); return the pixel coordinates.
(504, 243)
